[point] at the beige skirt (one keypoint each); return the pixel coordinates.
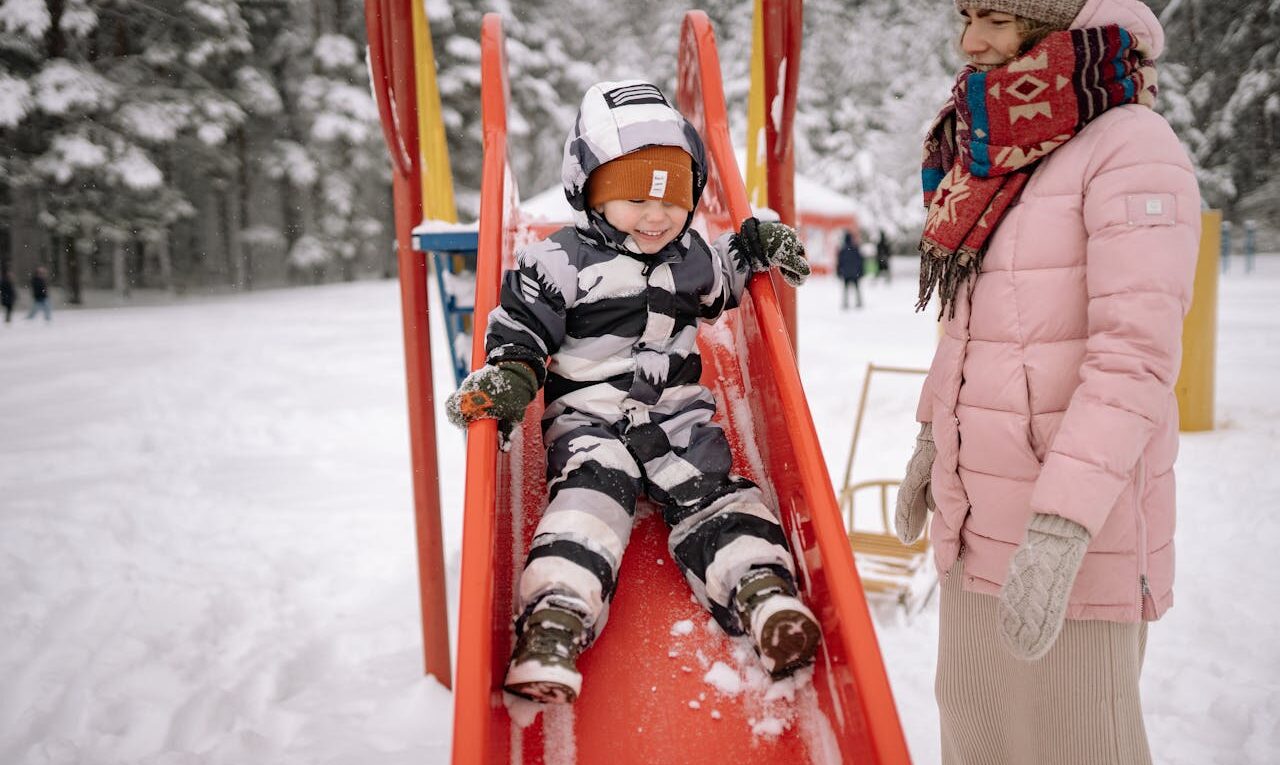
(1078, 704)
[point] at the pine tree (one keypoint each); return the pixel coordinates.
(1220, 89)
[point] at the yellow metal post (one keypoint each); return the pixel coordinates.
(757, 175)
(1200, 332)
(433, 148)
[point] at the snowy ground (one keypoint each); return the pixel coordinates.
(207, 540)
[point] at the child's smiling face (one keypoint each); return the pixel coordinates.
(652, 223)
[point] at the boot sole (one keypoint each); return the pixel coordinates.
(543, 683)
(789, 639)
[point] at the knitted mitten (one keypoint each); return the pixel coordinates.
(765, 244)
(1033, 602)
(499, 391)
(915, 499)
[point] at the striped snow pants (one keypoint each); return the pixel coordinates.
(598, 468)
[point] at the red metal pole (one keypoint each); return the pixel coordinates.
(476, 736)
(390, 31)
(783, 24)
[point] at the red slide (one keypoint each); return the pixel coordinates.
(662, 684)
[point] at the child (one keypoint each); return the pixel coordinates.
(615, 301)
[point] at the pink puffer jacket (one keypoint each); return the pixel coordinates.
(1052, 389)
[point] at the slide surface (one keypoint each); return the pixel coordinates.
(663, 684)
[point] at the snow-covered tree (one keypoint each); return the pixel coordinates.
(198, 138)
(1220, 88)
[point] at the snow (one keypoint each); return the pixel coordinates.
(62, 87)
(438, 10)
(345, 112)
(136, 171)
(154, 121)
(308, 251)
(212, 134)
(15, 100)
(724, 679)
(222, 16)
(78, 19)
(294, 161)
(257, 93)
(68, 154)
(335, 52)
(433, 226)
(208, 536)
(813, 197)
(29, 17)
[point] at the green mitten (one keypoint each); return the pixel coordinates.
(765, 244)
(499, 391)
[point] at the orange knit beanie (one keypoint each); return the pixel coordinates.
(654, 172)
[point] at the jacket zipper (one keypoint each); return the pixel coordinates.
(959, 558)
(1144, 588)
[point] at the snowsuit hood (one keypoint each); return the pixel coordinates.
(1131, 15)
(617, 118)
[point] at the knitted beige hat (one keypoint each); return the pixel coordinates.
(1059, 13)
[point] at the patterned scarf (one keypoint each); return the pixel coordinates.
(984, 145)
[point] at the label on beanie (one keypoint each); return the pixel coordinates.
(658, 186)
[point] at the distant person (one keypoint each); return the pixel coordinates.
(849, 268)
(40, 294)
(8, 295)
(1060, 244)
(883, 251)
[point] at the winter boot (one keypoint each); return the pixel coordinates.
(543, 664)
(783, 629)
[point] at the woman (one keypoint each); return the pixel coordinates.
(1061, 241)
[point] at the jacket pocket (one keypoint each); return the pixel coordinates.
(1034, 444)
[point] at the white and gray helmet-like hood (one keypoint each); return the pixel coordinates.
(617, 118)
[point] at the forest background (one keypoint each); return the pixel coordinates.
(205, 145)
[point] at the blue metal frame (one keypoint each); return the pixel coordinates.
(454, 252)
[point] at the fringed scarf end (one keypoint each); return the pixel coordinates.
(943, 272)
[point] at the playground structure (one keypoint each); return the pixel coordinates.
(639, 679)
(647, 696)
(402, 72)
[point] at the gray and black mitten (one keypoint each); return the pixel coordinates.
(766, 244)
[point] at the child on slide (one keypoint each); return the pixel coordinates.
(605, 314)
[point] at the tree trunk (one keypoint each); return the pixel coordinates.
(81, 248)
(161, 242)
(242, 203)
(228, 200)
(119, 272)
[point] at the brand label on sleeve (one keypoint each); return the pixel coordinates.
(1151, 209)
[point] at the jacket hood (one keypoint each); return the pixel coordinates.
(617, 118)
(1132, 15)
